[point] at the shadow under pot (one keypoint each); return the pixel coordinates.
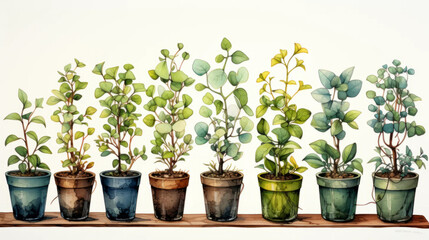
(338, 197)
(28, 194)
(280, 198)
(395, 197)
(120, 195)
(221, 196)
(74, 194)
(168, 196)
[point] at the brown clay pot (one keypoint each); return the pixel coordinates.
(168, 196)
(221, 197)
(74, 196)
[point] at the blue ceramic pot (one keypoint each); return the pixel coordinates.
(120, 195)
(28, 195)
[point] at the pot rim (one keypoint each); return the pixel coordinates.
(169, 179)
(280, 181)
(32, 177)
(222, 179)
(79, 178)
(102, 174)
(358, 175)
(395, 179)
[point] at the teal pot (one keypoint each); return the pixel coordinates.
(395, 198)
(120, 195)
(338, 197)
(221, 197)
(280, 198)
(28, 195)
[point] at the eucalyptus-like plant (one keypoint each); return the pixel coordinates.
(392, 110)
(120, 111)
(224, 122)
(334, 117)
(170, 109)
(28, 159)
(275, 153)
(69, 117)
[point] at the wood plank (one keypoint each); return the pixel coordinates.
(98, 219)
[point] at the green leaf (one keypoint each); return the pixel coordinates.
(282, 135)
(39, 120)
(45, 149)
(420, 130)
(39, 102)
(217, 78)
(139, 87)
(98, 93)
(302, 115)
(98, 69)
(59, 95)
(238, 57)
(351, 116)
(295, 130)
(160, 102)
(326, 77)
(166, 155)
(201, 129)
(22, 167)
(314, 160)
(167, 95)
(200, 67)
(90, 111)
(187, 112)
(225, 44)
(53, 100)
(319, 146)
(349, 152)
(13, 116)
(163, 128)
(208, 98)
(332, 151)
(200, 140)
(219, 58)
(78, 135)
(242, 75)
(372, 79)
(247, 110)
(354, 88)
(321, 95)
(44, 166)
(271, 166)
(261, 110)
(241, 95)
(245, 138)
(336, 128)
(106, 153)
(22, 96)
(346, 75)
(205, 111)
(219, 105)
(263, 127)
(162, 70)
(246, 124)
(262, 151)
(10, 138)
(22, 151)
(149, 120)
(357, 165)
(12, 160)
(65, 127)
(232, 150)
(179, 126)
(178, 76)
(106, 86)
(33, 135)
(105, 113)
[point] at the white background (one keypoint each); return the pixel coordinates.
(37, 38)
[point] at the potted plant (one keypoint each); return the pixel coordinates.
(394, 180)
(170, 110)
(74, 185)
(28, 186)
(221, 184)
(121, 185)
(280, 184)
(338, 183)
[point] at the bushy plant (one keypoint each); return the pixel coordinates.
(334, 117)
(170, 109)
(120, 110)
(68, 116)
(276, 152)
(224, 122)
(27, 157)
(393, 107)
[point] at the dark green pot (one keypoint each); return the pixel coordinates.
(279, 199)
(338, 197)
(395, 198)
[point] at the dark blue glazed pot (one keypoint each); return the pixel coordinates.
(28, 195)
(120, 195)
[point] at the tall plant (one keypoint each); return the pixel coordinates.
(170, 109)
(224, 122)
(334, 118)
(275, 153)
(69, 117)
(28, 158)
(392, 110)
(120, 111)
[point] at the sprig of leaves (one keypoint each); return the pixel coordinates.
(334, 117)
(277, 153)
(68, 116)
(392, 110)
(170, 109)
(27, 158)
(225, 127)
(120, 111)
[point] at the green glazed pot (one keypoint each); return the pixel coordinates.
(280, 198)
(395, 198)
(338, 197)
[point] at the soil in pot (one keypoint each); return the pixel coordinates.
(338, 196)
(74, 194)
(280, 196)
(120, 194)
(395, 196)
(221, 195)
(168, 194)
(28, 194)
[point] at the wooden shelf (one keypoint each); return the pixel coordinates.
(98, 219)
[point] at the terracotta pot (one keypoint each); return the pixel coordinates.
(74, 196)
(168, 196)
(221, 197)
(28, 195)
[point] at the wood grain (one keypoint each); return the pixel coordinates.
(98, 219)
